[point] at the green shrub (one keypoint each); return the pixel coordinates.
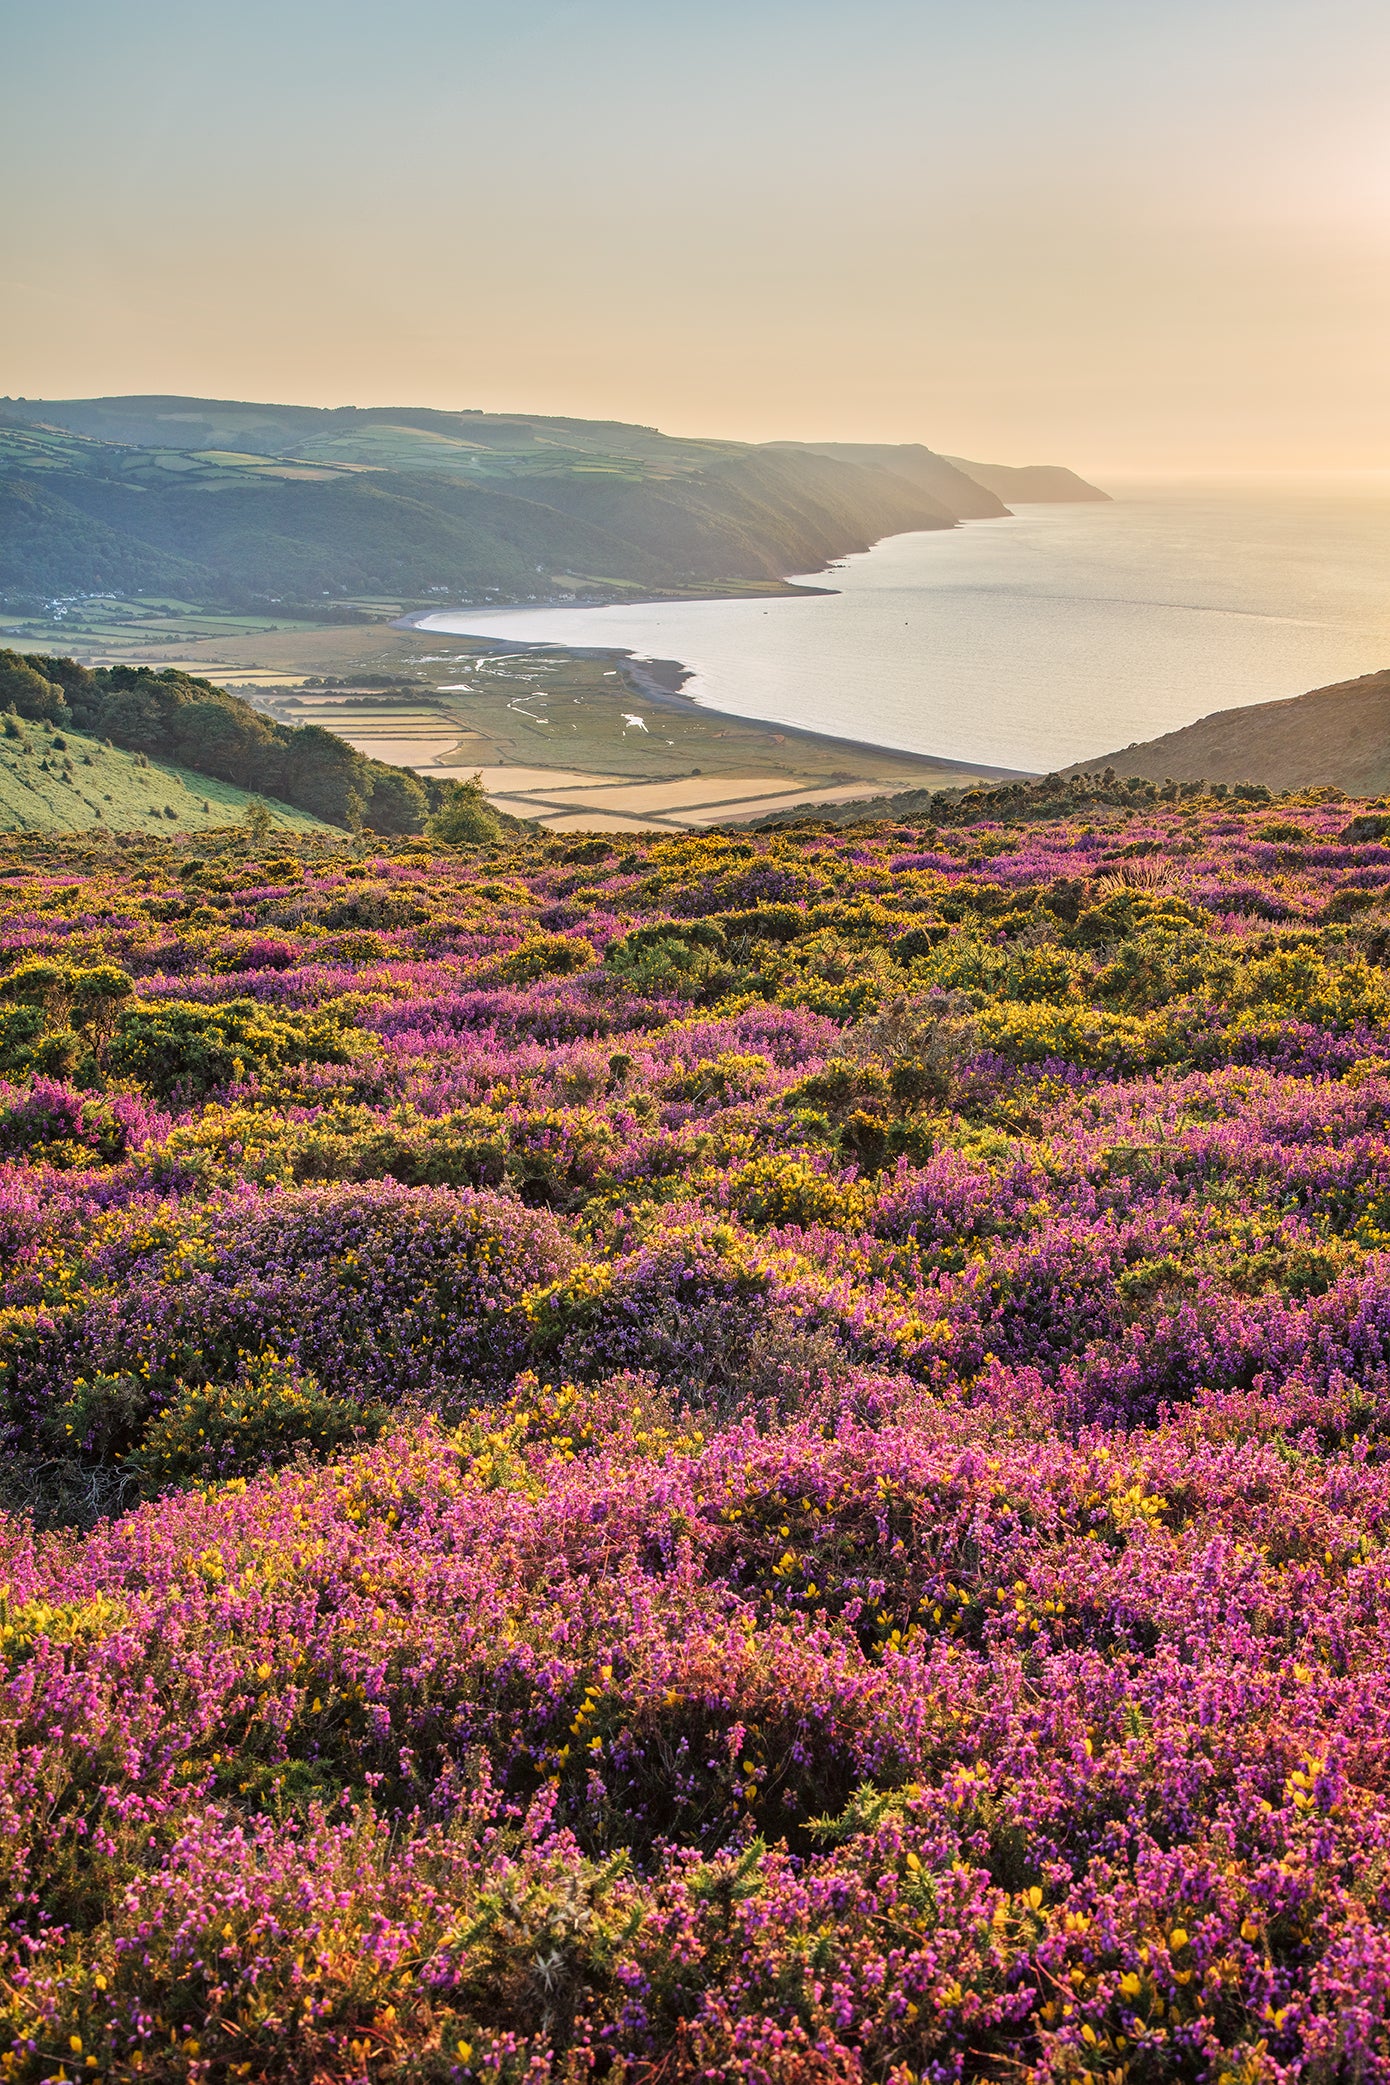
(178, 1049)
(840, 1087)
(270, 1412)
(102, 1421)
(21, 1032)
(465, 817)
(683, 958)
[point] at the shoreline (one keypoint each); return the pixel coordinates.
(642, 679)
(771, 590)
(662, 689)
(660, 682)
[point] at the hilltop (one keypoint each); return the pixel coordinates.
(244, 505)
(1026, 482)
(1338, 734)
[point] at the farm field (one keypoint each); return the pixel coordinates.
(700, 1455)
(592, 715)
(623, 750)
(108, 631)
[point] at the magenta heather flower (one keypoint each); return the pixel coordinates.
(809, 1419)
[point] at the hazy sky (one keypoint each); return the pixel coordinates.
(1126, 234)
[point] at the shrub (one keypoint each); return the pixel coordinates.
(684, 960)
(267, 1413)
(465, 818)
(179, 1050)
(379, 1291)
(778, 1189)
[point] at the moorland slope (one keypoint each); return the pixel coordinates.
(1338, 734)
(743, 1458)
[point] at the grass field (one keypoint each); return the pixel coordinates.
(52, 781)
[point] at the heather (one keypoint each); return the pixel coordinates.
(752, 1456)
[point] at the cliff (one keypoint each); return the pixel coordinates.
(932, 477)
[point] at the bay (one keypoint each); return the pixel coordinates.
(1053, 635)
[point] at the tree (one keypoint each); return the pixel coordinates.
(398, 803)
(465, 815)
(325, 775)
(32, 695)
(258, 821)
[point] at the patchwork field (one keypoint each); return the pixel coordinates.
(557, 736)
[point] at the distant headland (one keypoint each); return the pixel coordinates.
(364, 513)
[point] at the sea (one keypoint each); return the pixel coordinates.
(1029, 642)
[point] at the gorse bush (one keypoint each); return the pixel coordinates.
(266, 1413)
(752, 1456)
(176, 1050)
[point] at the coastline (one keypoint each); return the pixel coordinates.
(659, 682)
(644, 679)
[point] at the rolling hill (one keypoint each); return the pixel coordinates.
(1338, 735)
(55, 780)
(238, 504)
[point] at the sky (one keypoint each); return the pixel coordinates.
(1136, 236)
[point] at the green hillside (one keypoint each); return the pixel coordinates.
(250, 506)
(64, 781)
(50, 546)
(189, 725)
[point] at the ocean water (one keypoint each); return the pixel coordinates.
(1059, 633)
